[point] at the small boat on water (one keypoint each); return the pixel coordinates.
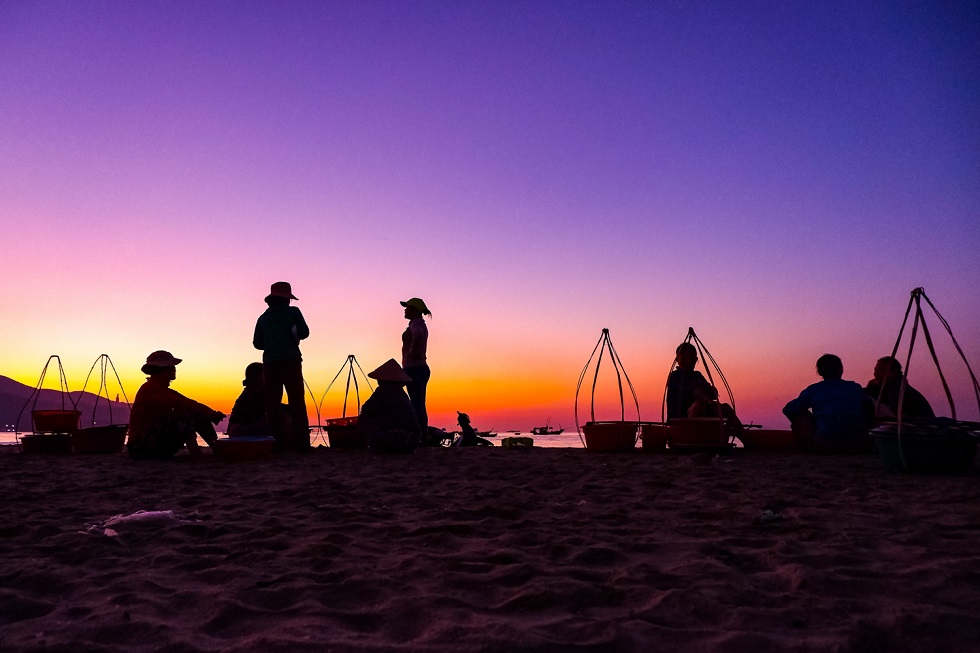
(546, 430)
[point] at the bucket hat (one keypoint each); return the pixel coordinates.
(282, 289)
(159, 359)
(390, 371)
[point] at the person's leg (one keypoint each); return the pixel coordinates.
(296, 395)
(416, 393)
(804, 428)
(160, 442)
(272, 381)
(205, 429)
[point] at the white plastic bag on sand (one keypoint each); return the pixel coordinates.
(143, 516)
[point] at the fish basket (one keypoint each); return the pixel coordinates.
(342, 433)
(55, 421)
(99, 439)
(654, 437)
(51, 444)
(926, 449)
(698, 434)
(244, 448)
(611, 437)
(768, 440)
(607, 436)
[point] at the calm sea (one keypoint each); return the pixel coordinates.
(565, 440)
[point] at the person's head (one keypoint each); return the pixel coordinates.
(687, 356)
(280, 293)
(830, 367)
(415, 307)
(253, 375)
(161, 365)
(390, 373)
(887, 367)
(462, 418)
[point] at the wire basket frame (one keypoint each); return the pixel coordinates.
(605, 346)
(104, 363)
(915, 299)
(349, 364)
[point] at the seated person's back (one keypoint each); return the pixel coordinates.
(840, 409)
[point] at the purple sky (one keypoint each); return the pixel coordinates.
(778, 175)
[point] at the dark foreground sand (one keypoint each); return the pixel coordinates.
(477, 550)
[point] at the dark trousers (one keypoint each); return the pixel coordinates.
(416, 393)
(165, 438)
(289, 376)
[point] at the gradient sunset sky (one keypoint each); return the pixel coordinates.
(778, 175)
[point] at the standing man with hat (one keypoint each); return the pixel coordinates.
(277, 333)
(415, 340)
(163, 420)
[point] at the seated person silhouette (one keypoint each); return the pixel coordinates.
(247, 418)
(689, 394)
(833, 415)
(886, 384)
(468, 436)
(387, 420)
(163, 420)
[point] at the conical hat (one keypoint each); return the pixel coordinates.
(390, 371)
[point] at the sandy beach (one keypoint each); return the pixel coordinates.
(487, 550)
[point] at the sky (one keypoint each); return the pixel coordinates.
(777, 175)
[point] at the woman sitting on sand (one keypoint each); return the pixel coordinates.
(163, 420)
(387, 420)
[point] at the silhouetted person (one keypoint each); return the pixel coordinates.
(689, 394)
(163, 420)
(468, 436)
(247, 416)
(415, 341)
(387, 420)
(277, 333)
(840, 416)
(888, 374)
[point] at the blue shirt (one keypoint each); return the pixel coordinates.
(839, 408)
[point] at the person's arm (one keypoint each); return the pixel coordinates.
(799, 405)
(704, 390)
(258, 338)
(178, 400)
(302, 330)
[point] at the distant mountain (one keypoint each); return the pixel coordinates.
(15, 398)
